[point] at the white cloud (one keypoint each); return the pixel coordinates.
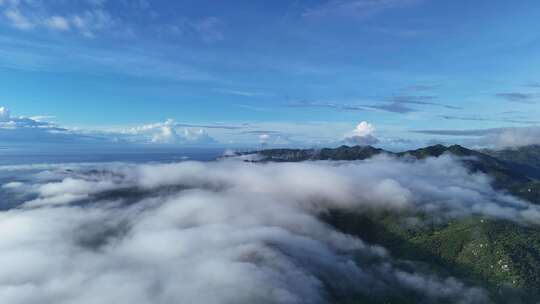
(199, 136)
(5, 114)
(92, 21)
(57, 23)
(363, 134)
(28, 130)
(440, 186)
(515, 137)
(192, 232)
(241, 93)
(27, 15)
(12, 185)
(38, 130)
(363, 129)
(496, 138)
(272, 138)
(209, 28)
(263, 138)
(358, 9)
(168, 132)
(18, 20)
(12, 123)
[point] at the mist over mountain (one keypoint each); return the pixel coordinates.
(461, 245)
(507, 167)
(344, 225)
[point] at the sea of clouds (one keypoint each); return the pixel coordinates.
(227, 231)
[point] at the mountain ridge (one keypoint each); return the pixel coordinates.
(507, 173)
(501, 256)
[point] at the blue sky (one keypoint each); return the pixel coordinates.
(278, 72)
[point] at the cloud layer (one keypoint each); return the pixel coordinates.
(87, 20)
(168, 132)
(497, 138)
(24, 129)
(195, 232)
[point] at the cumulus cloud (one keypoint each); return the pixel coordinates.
(263, 138)
(168, 132)
(38, 129)
(24, 129)
(192, 232)
(271, 138)
(363, 134)
(364, 129)
(5, 114)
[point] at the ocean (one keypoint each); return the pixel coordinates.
(42, 154)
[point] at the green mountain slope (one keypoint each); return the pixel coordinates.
(340, 153)
(501, 256)
(528, 155)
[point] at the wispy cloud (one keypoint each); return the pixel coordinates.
(212, 126)
(422, 100)
(259, 132)
(533, 85)
(359, 9)
(478, 118)
(393, 107)
(498, 138)
(255, 108)
(242, 93)
(58, 23)
(471, 132)
(421, 87)
(21, 129)
(18, 20)
(92, 21)
(209, 28)
(395, 104)
(400, 32)
(517, 97)
(134, 62)
(331, 105)
(466, 118)
(89, 17)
